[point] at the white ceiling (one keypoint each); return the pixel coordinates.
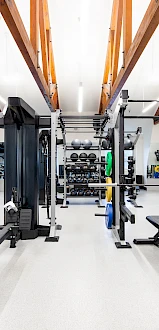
(80, 35)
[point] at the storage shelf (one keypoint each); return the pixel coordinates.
(84, 196)
(92, 148)
(80, 184)
(83, 161)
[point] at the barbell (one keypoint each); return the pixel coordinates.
(115, 184)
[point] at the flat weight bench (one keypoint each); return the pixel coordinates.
(154, 220)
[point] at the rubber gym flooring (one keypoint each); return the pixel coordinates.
(83, 282)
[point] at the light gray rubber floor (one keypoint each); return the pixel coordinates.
(83, 282)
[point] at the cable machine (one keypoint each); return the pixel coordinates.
(21, 162)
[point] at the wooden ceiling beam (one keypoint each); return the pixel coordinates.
(127, 25)
(112, 28)
(156, 121)
(146, 29)
(47, 18)
(109, 55)
(48, 27)
(43, 39)
(15, 24)
(34, 25)
(117, 37)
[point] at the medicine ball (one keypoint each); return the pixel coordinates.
(83, 156)
(74, 157)
(76, 144)
(86, 144)
(92, 157)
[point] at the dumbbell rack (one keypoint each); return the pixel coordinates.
(88, 171)
(83, 124)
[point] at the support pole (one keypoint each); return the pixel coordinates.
(99, 167)
(53, 237)
(65, 173)
(121, 170)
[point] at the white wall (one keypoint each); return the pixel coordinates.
(143, 145)
(154, 146)
(1, 135)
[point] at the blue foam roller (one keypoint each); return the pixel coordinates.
(109, 215)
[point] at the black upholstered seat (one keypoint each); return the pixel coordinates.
(154, 220)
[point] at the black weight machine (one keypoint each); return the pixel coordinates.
(121, 214)
(21, 180)
(44, 167)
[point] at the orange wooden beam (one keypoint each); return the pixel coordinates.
(143, 35)
(112, 28)
(48, 27)
(117, 37)
(49, 50)
(47, 18)
(43, 38)
(34, 25)
(15, 24)
(111, 48)
(156, 121)
(127, 25)
(109, 56)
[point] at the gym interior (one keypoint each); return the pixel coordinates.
(79, 164)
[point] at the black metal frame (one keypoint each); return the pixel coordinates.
(152, 240)
(21, 125)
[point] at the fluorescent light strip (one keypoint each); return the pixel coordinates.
(80, 98)
(150, 106)
(3, 100)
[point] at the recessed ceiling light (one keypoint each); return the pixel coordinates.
(2, 100)
(80, 97)
(150, 106)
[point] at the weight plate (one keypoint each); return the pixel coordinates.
(109, 215)
(109, 164)
(109, 190)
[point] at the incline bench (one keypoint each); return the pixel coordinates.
(154, 220)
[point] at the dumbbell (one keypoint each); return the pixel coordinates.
(77, 168)
(95, 193)
(70, 180)
(90, 180)
(102, 179)
(81, 192)
(74, 192)
(87, 193)
(92, 168)
(69, 168)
